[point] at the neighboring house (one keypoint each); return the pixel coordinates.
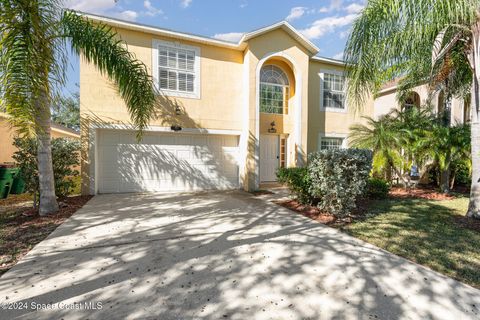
(386, 101)
(7, 133)
(244, 109)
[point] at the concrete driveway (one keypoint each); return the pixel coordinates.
(218, 256)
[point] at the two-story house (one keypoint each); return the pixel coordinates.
(229, 116)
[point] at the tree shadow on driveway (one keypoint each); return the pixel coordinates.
(221, 255)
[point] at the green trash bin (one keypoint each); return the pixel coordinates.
(18, 185)
(7, 174)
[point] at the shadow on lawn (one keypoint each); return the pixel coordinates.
(221, 255)
(426, 232)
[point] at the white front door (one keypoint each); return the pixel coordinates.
(269, 157)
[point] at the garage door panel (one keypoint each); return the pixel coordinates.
(166, 162)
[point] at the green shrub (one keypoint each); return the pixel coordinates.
(462, 172)
(377, 189)
(298, 181)
(338, 177)
(65, 156)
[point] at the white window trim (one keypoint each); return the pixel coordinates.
(155, 69)
(322, 77)
(334, 135)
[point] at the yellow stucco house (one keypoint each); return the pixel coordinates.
(230, 114)
(7, 134)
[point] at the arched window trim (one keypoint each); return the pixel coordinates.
(274, 90)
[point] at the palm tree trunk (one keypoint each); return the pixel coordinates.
(445, 180)
(48, 200)
(474, 59)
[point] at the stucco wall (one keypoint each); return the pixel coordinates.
(219, 106)
(387, 101)
(7, 134)
(327, 122)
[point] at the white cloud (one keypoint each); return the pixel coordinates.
(243, 4)
(104, 7)
(323, 26)
(126, 15)
(232, 36)
(354, 8)
(338, 56)
(185, 3)
(151, 10)
(296, 13)
(93, 6)
(336, 4)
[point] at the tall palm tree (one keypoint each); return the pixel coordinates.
(438, 39)
(34, 35)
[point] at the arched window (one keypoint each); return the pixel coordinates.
(274, 90)
(412, 101)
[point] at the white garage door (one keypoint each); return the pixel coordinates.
(166, 162)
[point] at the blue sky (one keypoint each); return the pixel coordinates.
(325, 22)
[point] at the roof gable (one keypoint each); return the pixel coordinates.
(285, 26)
(241, 45)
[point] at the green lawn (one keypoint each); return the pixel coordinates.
(425, 232)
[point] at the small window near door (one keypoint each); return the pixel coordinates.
(330, 143)
(283, 152)
(467, 111)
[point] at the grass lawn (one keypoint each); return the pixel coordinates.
(424, 231)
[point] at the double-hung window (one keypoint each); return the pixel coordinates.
(328, 143)
(177, 69)
(332, 91)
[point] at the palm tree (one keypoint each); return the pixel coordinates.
(436, 39)
(381, 137)
(33, 40)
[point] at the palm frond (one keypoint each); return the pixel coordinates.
(396, 34)
(99, 44)
(29, 66)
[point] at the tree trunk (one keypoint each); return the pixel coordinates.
(445, 181)
(474, 59)
(48, 200)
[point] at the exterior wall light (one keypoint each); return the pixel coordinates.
(272, 128)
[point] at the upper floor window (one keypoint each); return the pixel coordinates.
(274, 90)
(327, 143)
(332, 91)
(177, 69)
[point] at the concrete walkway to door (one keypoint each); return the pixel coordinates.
(222, 255)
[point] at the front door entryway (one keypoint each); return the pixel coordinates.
(269, 157)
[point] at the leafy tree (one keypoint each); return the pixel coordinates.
(65, 156)
(433, 41)
(413, 136)
(33, 39)
(66, 111)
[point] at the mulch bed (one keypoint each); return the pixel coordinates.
(308, 211)
(426, 193)
(21, 228)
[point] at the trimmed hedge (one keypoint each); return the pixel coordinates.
(333, 179)
(338, 178)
